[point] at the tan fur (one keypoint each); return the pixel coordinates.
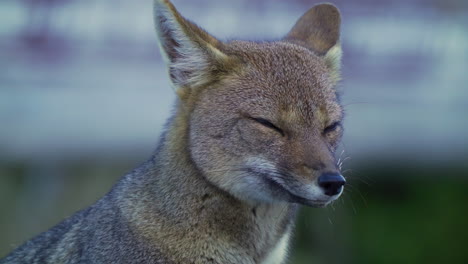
(252, 131)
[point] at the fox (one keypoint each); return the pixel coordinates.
(251, 140)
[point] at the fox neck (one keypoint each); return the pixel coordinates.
(178, 195)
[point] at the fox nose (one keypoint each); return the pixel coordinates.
(331, 183)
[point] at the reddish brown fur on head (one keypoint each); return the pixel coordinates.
(263, 118)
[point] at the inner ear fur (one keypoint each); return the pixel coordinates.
(193, 56)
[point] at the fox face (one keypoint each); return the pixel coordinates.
(263, 120)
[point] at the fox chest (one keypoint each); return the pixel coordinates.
(279, 252)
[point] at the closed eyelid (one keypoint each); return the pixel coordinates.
(332, 127)
(267, 123)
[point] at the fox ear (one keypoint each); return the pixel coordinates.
(319, 30)
(193, 57)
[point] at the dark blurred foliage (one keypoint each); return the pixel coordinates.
(409, 215)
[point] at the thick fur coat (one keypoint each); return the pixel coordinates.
(253, 133)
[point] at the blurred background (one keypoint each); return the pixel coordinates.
(84, 94)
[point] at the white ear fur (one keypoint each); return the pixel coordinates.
(333, 60)
(188, 51)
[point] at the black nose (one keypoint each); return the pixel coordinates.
(332, 183)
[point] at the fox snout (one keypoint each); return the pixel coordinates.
(315, 175)
(331, 183)
(316, 189)
(318, 193)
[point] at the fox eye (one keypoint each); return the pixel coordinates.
(332, 127)
(268, 124)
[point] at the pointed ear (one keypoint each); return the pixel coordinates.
(193, 56)
(319, 30)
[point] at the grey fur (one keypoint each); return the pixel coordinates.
(222, 187)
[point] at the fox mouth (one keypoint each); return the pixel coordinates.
(292, 197)
(308, 202)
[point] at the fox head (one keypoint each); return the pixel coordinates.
(263, 119)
